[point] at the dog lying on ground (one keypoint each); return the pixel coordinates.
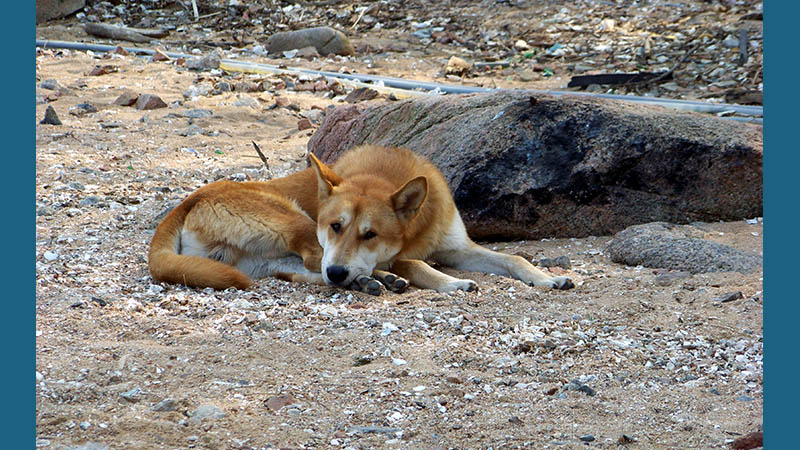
(373, 218)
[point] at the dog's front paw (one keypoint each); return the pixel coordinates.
(392, 282)
(562, 283)
(367, 285)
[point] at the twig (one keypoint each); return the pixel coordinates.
(263, 158)
(194, 9)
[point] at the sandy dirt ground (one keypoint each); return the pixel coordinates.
(627, 359)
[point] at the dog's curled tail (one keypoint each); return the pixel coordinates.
(166, 264)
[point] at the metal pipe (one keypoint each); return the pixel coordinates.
(404, 88)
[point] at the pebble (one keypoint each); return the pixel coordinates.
(576, 385)
(208, 62)
(50, 117)
(149, 101)
(132, 395)
(191, 130)
(562, 261)
(167, 404)
(39, 377)
(730, 42)
(729, 297)
(246, 100)
(197, 113)
(50, 255)
(744, 398)
(81, 109)
(587, 438)
(279, 401)
(206, 412)
(50, 84)
(669, 278)
(85, 425)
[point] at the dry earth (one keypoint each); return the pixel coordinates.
(623, 360)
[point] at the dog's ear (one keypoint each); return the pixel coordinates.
(326, 178)
(407, 200)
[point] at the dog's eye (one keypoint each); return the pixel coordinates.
(369, 235)
(336, 227)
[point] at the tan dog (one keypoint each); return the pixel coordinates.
(377, 210)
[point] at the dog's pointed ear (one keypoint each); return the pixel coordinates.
(326, 178)
(407, 200)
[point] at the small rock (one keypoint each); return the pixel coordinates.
(85, 425)
(208, 62)
(587, 438)
(206, 412)
(197, 113)
(744, 398)
(132, 395)
(198, 90)
(729, 297)
(362, 360)
(576, 385)
(515, 420)
(361, 94)
(159, 55)
(50, 255)
(50, 117)
(562, 261)
(457, 66)
(730, 42)
(325, 40)
(668, 278)
(279, 401)
(149, 101)
(749, 441)
(50, 84)
(191, 130)
(127, 98)
(625, 439)
(304, 124)
(167, 404)
(246, 100)
(82, 109)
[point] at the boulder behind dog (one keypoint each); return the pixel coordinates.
(535, 167)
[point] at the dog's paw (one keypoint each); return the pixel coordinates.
(366, 284)
(392, 282)
(562, 283)
(460, 285)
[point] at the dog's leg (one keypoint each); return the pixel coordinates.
(392, 282)
(475, 258)
(420, 274)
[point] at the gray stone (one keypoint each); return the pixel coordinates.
(562, 261)
(49, 84)
(191, 130)
(669, 278)
(325, 39)
(149, 101)
(528, 167)
(663, 245)
(56, 9)
(90, 446)
(206, 412)
(50, 117)
(165, 405)
(207, 62)
(197, 113)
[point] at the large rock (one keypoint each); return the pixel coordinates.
(667, 246)
(524, 167)
(56, 9)
(325, 39)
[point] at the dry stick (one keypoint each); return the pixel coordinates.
(114, 32)
(194, 9)
(263, 158)
(667, 73)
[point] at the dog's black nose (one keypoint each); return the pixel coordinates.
(337, 274)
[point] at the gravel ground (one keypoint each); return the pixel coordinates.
(632, 357)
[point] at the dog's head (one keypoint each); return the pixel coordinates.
(361, 221)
